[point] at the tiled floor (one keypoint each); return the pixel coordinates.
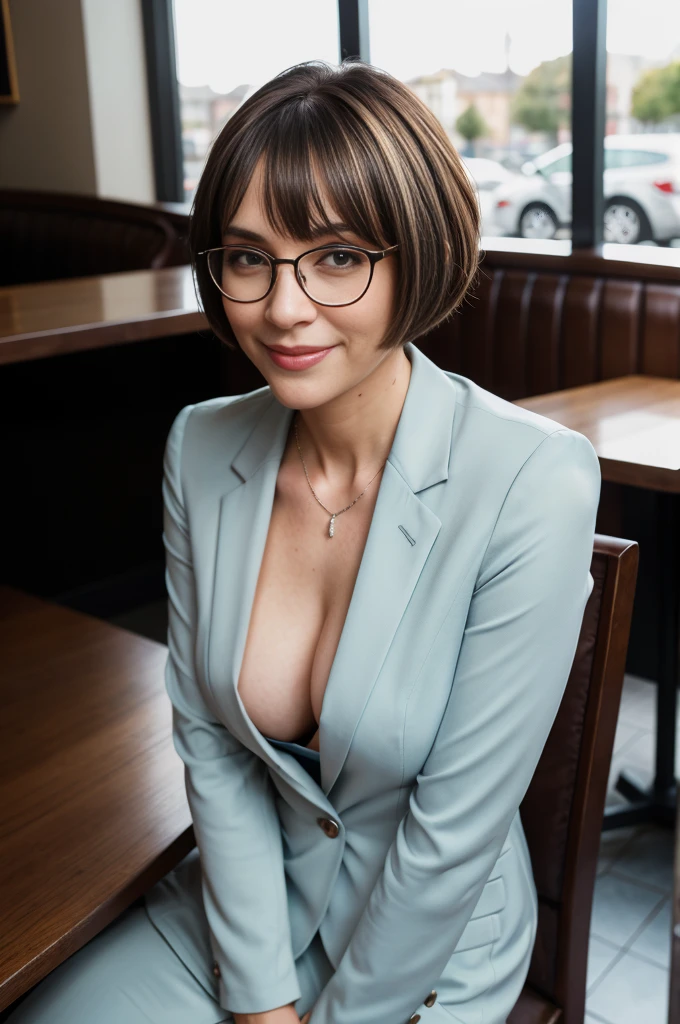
(630, 932)
(629, 952)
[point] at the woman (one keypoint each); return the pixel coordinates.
(361, 689)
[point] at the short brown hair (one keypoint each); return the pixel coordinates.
(387, 165)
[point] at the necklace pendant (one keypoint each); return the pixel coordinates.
(331, 526)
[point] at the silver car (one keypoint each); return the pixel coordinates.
(641, 191)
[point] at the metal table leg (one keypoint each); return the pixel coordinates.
(658, 801)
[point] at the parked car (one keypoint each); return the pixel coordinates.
(641, 191)
(486, 175)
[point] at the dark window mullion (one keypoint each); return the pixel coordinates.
(588, 93)
(353, 26)
(166, 127)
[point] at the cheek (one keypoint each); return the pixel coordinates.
(242, 316)
(373, 313)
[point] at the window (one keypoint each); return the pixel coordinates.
(502, 91)
(617, 158)
(227, 51)
(497, 74)
(562, 163)
(642, 134)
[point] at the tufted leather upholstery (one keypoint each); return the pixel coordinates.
(536, 324)
(47, 236)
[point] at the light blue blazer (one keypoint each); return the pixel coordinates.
(409, 858)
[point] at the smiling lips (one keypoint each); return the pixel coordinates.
(297, 358)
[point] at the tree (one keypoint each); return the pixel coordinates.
(543, 102)
(471, 124)
(656, 95)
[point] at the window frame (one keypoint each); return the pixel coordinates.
(588, 106)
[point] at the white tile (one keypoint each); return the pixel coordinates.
(619, 908)
(625, 732)
(614, 841)
(632, 992)
(655, 940)
(638, 756)
(638, 703)
(648, 858)
(600, 956)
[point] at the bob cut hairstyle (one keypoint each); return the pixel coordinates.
(384, 162)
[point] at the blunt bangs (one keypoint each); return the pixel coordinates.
(386, 166)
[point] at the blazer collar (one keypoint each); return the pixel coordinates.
(402, 532)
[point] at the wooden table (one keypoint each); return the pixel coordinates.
(38, 320)
(633, 422)
(92, 797)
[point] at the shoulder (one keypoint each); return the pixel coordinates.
(206, 435)
(503, 436)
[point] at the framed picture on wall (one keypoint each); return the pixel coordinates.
(9, 87)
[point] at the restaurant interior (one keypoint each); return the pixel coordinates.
(571, 135)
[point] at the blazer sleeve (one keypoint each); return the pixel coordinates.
(514, 661)
(236, 825)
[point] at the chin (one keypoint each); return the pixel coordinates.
(300, 394)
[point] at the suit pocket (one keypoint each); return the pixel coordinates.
(484, 926)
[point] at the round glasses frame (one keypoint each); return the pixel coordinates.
(374, 256)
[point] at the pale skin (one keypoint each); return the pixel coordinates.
(349, 408)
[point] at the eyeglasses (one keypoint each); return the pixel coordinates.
(331, 275)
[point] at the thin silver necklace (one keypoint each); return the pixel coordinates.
(333, 515)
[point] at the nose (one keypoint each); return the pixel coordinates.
(287, 303)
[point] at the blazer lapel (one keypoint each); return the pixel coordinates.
(402, 532)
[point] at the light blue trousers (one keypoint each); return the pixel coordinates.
(129, 974)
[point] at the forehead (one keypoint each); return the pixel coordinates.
(251, 211)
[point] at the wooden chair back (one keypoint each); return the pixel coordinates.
(563, 808)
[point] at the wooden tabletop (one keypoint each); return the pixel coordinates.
(93, 805)
(38, 320)
(633, 423)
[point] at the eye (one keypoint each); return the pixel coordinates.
(340, 259)
(243, 258)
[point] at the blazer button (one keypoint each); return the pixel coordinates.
(216, 969)
(413, 1018)
(431, 998)
(329, 826)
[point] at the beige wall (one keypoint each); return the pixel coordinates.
(46, 139)
(82, 121)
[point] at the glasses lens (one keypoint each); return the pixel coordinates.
(335, 276)
(240, 273)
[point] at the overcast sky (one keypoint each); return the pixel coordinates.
(225, 43)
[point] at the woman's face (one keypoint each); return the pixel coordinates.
(287, 318)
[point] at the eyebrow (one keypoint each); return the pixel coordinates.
(319, 232)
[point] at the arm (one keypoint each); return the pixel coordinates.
(516, 654)
(229, 794)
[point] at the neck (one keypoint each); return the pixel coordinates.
(344, 443)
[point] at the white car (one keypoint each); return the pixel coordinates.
(641, 191)
(486, 175)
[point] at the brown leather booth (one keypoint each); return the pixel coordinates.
(535, 323)
(45, 236)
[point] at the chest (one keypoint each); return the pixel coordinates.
(303, 592)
